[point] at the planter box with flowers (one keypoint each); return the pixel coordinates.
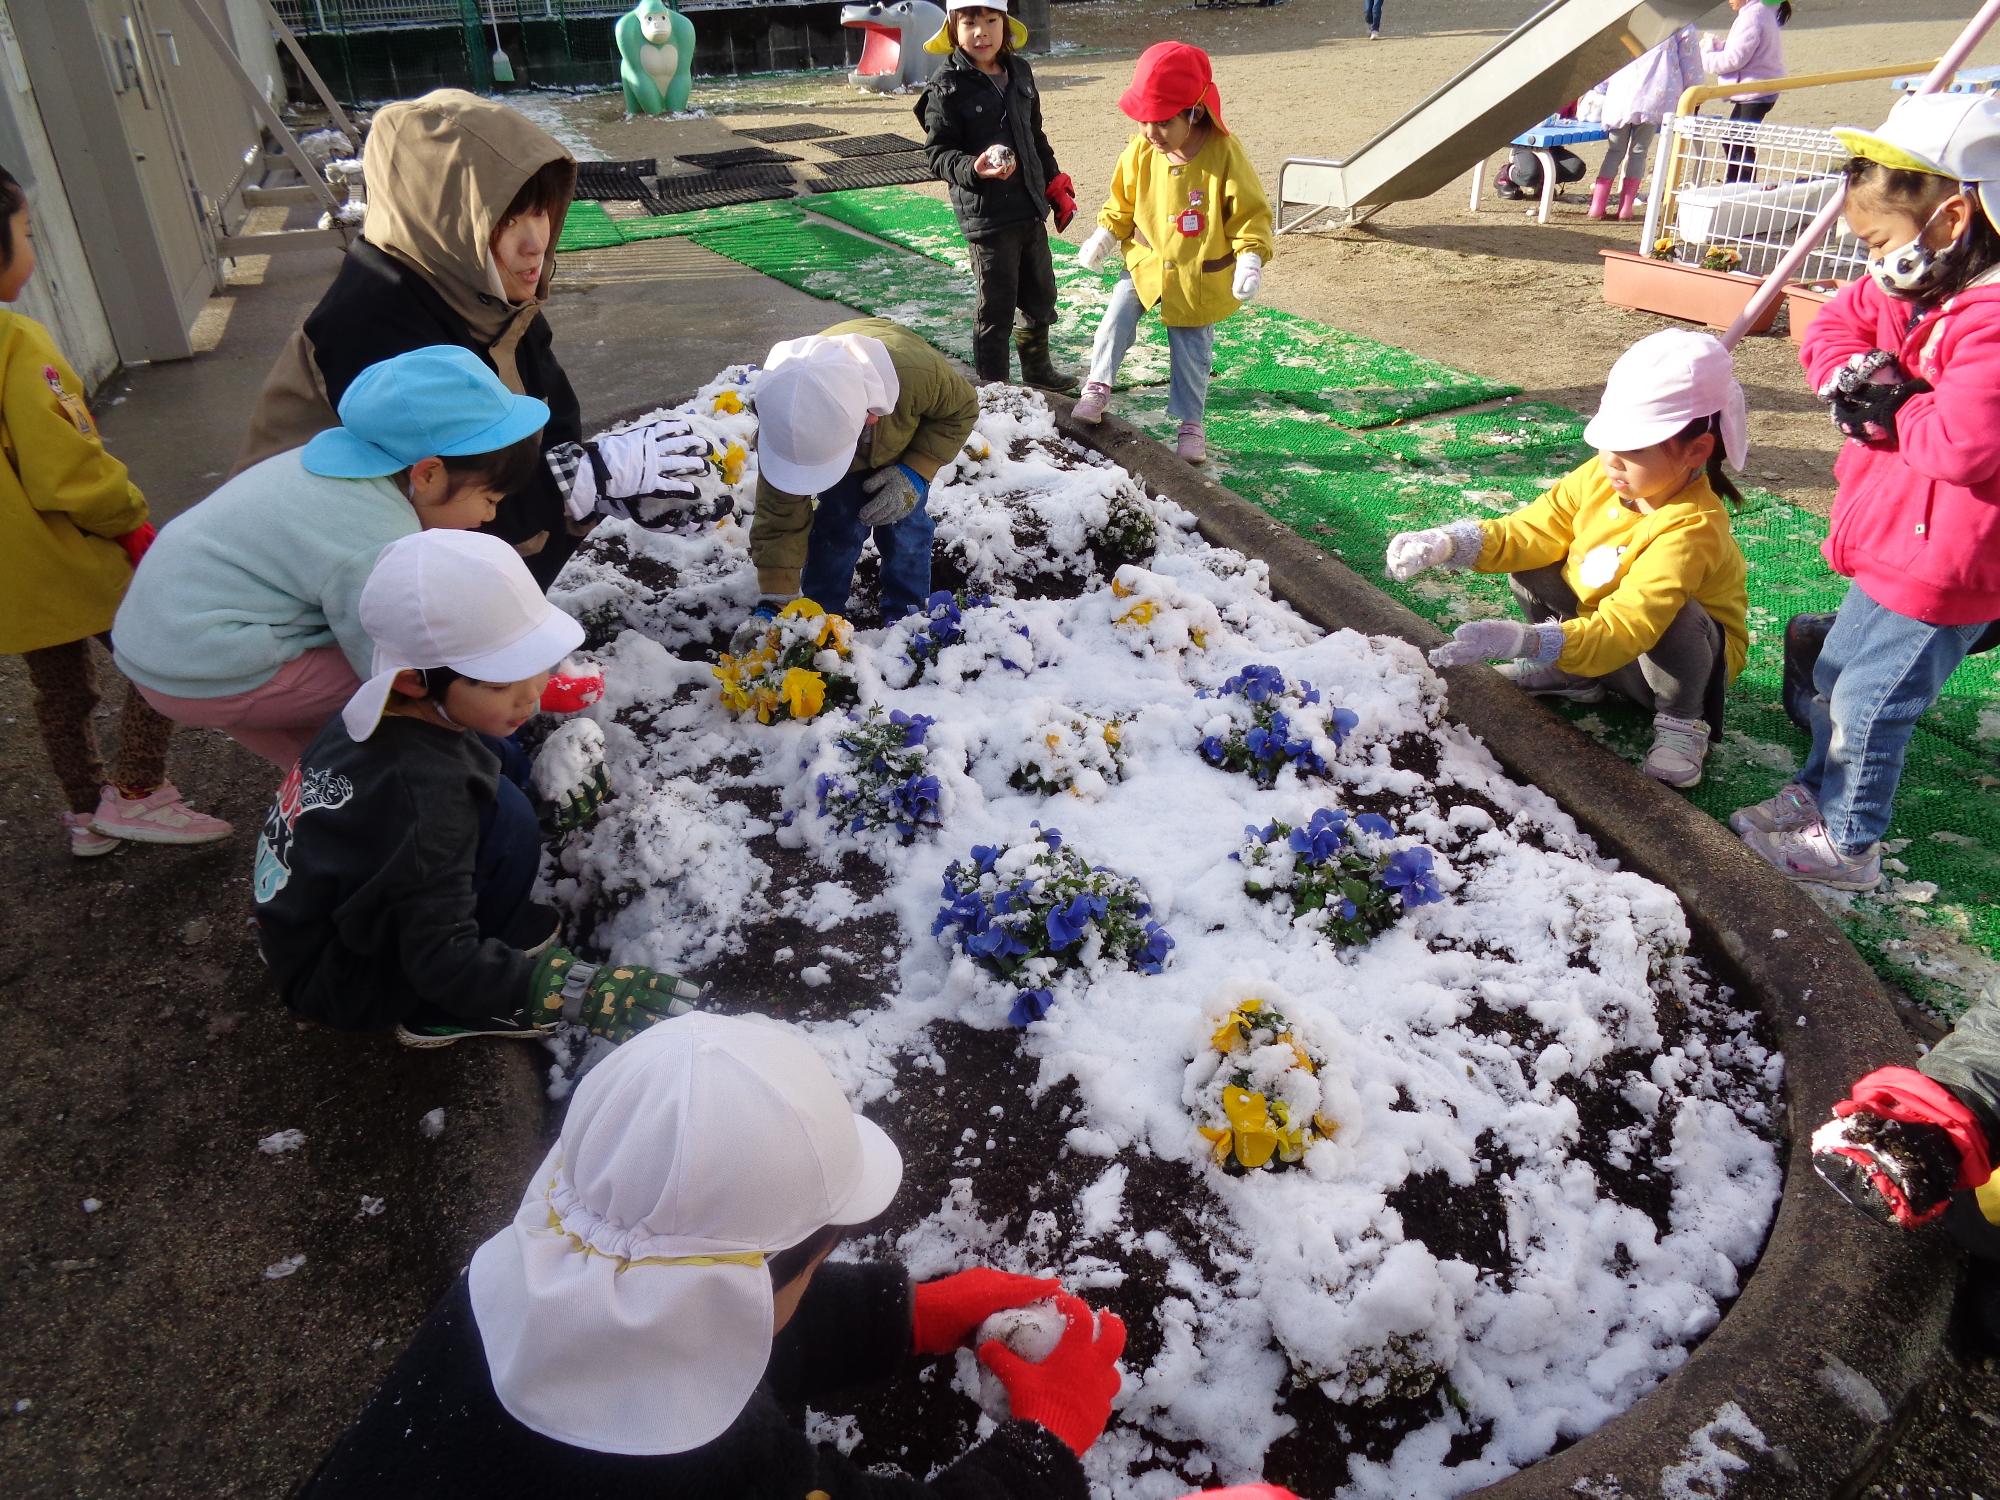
(1702, 293)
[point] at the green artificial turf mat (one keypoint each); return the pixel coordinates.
(729, 216)
(915, 221)
(588, 227)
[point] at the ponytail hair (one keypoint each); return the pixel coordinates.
(1718, 480)
(1784, 9)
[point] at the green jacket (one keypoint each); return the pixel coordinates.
(935, 409)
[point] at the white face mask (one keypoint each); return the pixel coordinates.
(1913, 269)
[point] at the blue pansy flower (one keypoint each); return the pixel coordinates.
(983, 856)
(1340, 723)
(1030, 1006)
(1152, 956)
(1376, 824)
(995, 943)
(1070, 920)
(1409, 873)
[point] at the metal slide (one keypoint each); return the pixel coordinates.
(1549, 59)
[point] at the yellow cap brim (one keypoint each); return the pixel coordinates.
(1872, 147)
(941, 44)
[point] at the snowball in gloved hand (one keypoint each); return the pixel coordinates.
(1092, 252)
(995, 161)
(1031, 1332)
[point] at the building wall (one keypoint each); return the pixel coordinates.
(62, 294)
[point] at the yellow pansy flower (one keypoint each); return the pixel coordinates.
(803, 692)
(1250, 1117)
(728, 401)
(1139, 614)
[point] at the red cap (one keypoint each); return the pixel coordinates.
(1171, 77)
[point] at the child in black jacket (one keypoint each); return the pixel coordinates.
(982, 119)
(659, 1297)
(394, 870)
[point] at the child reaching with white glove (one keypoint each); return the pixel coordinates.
(1195, 227)
(1627, 571)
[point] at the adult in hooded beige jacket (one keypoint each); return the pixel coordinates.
(466, 199)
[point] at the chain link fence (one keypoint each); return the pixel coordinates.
(1734, 195)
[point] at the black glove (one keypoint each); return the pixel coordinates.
(1866, 393)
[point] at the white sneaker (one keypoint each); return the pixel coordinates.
(159, 817)
(85, 842)
(1089, 407)
(1551, 682)
(1792, 808)
(1808, 854)
(1679, 747)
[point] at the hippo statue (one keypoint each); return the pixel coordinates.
(892, 47)
(655, 58)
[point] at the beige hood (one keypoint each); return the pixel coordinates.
(440, 171)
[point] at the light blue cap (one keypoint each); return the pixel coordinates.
(442, 401)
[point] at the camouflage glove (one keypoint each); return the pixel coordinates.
(575, 807)
(614, 1001)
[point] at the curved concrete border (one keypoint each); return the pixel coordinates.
(1841, 1321)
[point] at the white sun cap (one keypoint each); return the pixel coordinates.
(813, 398)
(628, 1308)
(1948, 135)
(1664, 382)
(457, 599)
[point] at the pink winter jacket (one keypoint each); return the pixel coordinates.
(1917, 525)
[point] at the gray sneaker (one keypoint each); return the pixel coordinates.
(1551, 682)
(1090, 405)
(1792, 808)
(1808, 854)
(1679, 747)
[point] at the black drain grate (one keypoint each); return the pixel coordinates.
(728, 179)
(723, 197)
(869, 145)
(739, 156)
(871, 171)
(602, 180)
(775, 133)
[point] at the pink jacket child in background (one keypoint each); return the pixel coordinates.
(1908, 359)
(1752, 52)
(1636, 98)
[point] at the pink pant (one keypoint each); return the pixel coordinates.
(280, 718)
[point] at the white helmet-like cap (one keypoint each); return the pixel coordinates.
(628, 1308)
(1664, 382)
(812, 400)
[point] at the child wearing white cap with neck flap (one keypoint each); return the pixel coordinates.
(661, 1292)
(1627, 570)
(394, 869)
(853, 424)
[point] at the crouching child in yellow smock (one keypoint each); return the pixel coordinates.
(1627, 570)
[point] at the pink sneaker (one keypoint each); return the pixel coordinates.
(1191, 443)
(86, 842)
(1090, 405)
(160, 817)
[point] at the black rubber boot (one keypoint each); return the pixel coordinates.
(1032, 344)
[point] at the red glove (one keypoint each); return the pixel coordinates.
(1061, 193)
(572, 693)
(946, 1313)
(1071, 1391)
(137, 540)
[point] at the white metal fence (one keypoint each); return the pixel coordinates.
(1734, 195)
(308, 16)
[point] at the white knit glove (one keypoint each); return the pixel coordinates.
(1500, 640)
(644, 461)
(1249, 276)
(1414, 552)
(1092, 252)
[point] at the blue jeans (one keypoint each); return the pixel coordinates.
(1191, 353)
(1371, 11)
(834, 547)
(1876, 674)
(510, 845)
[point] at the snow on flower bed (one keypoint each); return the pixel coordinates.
(1499, 1150)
